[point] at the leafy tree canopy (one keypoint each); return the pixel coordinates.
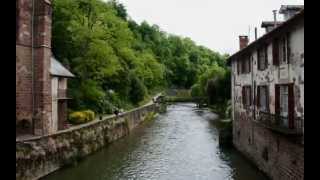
(117, 61)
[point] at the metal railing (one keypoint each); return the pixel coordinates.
(280, 124)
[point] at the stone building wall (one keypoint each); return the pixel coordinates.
(279, 155)
(276, 155)
(40, 156)
(23, 62)
(27, 70)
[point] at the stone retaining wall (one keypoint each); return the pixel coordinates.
(279, 156)
(39, 156)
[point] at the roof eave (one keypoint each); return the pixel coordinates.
(265, 36)
(63, 76)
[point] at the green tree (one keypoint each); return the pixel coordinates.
(138, 90)
(117, 61)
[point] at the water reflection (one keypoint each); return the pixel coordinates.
(181, 144)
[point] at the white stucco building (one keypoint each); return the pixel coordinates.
(268, 96)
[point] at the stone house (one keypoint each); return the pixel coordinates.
(268, 97)
(40, 79)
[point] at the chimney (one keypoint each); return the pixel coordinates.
(275, 18)
(243, 40)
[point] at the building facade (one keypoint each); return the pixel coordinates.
(34, 98)
(268, 98)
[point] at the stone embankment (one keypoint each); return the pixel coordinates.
(39, 156)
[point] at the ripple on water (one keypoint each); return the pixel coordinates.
(181, 144)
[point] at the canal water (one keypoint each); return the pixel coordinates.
(181, 144)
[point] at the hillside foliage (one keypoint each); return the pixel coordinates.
(119, 62)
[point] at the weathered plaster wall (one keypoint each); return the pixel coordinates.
(279, 156)
(286, 73)
(38, 157)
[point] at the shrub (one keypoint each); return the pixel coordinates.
(196, 90)
(90, 115)
(77, 117)
(80, 117)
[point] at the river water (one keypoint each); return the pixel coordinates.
(181, 144)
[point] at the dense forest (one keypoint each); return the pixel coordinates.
(119, 63)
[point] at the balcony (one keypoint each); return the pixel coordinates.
(63, 94)
(276, 124)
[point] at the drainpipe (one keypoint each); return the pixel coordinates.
(253, 85)
(32, 67)
(255, 33)
(254, 97)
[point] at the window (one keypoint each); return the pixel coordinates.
(263, 98)
(62, 83)
(275, 52)
(239, 66)
(246, 96)
(244, 65)
(285, 104)
(247, 64)
(281, 50)
(263, 58)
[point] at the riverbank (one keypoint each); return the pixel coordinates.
(39, 156)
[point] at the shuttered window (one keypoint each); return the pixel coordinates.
(288, 47)
(263, 57)
(281, 50)
(246, 96)
(284, 106)
(263, 98)
(245, 63)
(243, 66)
(275, 52)
(291, 105)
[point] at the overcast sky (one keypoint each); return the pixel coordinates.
(215, 24)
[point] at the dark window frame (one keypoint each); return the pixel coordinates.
(267, 103)
(244, 64)
(246, 89)
(275, 52)
(262, 59)
(291, 102)
(281, 50)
